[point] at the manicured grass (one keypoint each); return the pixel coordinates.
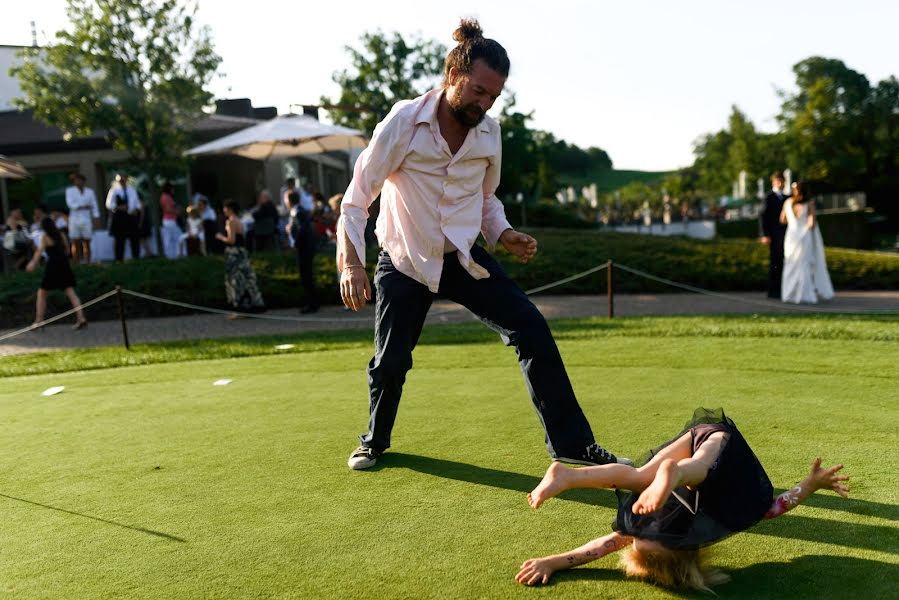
(147, 481)
(882, 328)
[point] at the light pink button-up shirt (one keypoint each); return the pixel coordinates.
(430, 198)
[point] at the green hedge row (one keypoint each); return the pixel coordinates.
(722, 265)
(844, 230)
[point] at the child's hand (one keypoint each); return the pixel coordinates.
(828, 478)
(534, 571)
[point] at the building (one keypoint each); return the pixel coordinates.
(51, 158)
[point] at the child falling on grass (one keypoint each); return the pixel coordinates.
(692, 491)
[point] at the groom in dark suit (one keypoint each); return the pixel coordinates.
(773, 233)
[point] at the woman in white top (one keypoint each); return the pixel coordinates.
(805, 277)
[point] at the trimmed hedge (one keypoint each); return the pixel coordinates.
(842, 229)
(724, 265)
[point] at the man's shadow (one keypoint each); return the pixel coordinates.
(506, 480)
(881, 538)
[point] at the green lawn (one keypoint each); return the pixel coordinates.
(610, 180)
(148, 481)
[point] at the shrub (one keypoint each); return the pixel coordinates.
(724, 265)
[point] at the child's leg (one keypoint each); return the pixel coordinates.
(560, 478)
(671, 473)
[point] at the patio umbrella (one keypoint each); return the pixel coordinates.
(287, 135)
(10, 169)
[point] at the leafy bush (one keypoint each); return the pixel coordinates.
(842, 229)
(727, 265)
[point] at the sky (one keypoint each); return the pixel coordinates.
(640, 79)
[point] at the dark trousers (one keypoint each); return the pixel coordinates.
(305, 255)
(775, 266)
(401, 306)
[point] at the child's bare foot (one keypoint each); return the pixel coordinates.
(654, 497)
(552, 484)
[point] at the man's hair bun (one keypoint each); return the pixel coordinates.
(469, 29)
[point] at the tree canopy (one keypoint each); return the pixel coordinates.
(385, 70)
(136, 70)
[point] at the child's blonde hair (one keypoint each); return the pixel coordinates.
(671, 568)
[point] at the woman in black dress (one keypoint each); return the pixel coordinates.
(57, 273)
(692, 491)
(240, 279)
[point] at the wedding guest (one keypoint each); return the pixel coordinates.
(57, 272)
(84, 216)
(265, 219)
(240, 279)
(301, 232)
(192, 242)
(124, 205)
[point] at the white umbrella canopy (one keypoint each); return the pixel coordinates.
(287, 135)
(10, 169)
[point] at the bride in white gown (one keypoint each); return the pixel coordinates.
(805, 277)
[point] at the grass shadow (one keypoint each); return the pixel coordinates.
(160, 534)
(850, 535)
(507, 480)
(814, 576)
(855, 506)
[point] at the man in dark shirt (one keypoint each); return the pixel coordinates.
(773, 232)
(265, 219)
(303, 235)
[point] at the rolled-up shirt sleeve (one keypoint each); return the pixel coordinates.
(383, 156)
(493, 216)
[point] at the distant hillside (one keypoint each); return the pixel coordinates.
(611, 180)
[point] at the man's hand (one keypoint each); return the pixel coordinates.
(355, 289)
(765, 240)
(520, 244)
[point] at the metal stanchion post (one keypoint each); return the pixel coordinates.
(610, 294)
(121, 302)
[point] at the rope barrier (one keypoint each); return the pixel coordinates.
(69, 312)
(548, 286)
(532, 291)
(706, 292)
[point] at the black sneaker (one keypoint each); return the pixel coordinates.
(363, 458)
(595, 454)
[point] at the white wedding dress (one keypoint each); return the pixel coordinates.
(805, 277)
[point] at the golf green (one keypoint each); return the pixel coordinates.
(151, 482)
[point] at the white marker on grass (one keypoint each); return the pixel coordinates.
(53, 391)
(283, 346)
(221, 382)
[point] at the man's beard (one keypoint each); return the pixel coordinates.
(469, 115)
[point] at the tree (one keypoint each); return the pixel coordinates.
(386, 70)
(136, 70)
(827, 120)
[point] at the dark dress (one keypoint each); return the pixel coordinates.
(240, 279)
(57, 272)
(735, 495)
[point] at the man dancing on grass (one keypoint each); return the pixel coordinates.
(435, 160)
